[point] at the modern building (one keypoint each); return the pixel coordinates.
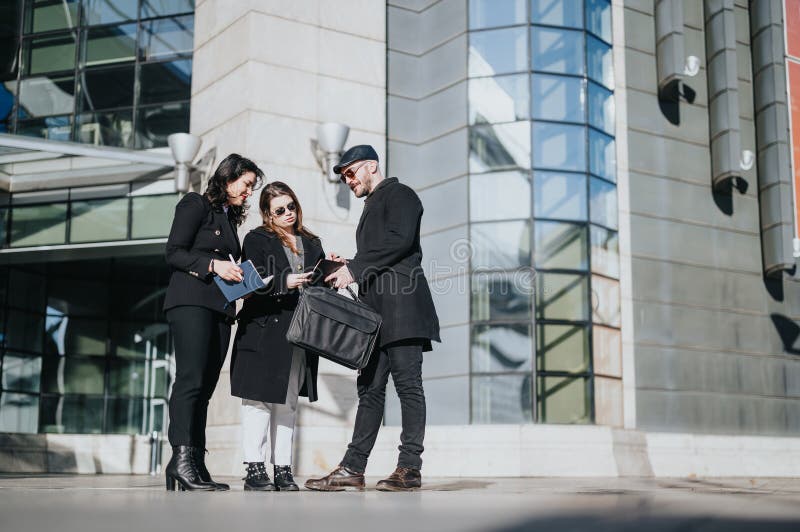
(610, 231)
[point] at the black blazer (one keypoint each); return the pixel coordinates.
(262, 358)
(200, 232)
(388, 264)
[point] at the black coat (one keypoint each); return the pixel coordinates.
(262, 358)
(200, 232)
(388, 264)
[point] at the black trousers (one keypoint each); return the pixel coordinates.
(201, 339)
(404, 361)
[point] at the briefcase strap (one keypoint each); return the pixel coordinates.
(355, 297)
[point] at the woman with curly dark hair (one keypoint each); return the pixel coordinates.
(202, 238)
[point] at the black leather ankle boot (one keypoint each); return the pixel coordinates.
(205, 476)
(181, 471)
(284, 480)
(257, 478)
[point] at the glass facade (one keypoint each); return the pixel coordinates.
(104, 72)
(85, 346)
(543, 200)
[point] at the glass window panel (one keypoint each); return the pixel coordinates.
(19, 413)
(168, 37)
(557, 51)
(160, 380)
(499, 196)
(501, 245)
(77, 297)
(109, 11)
(108, 87)
(498, 99)
(165, 82)
(497, 52)
(127, 377)
(605, 251)
(559, 146)
(558, 98)
(73, 375)
(502, 296)
(96, 220)
(46, 95)
(502, 399)
(126, 416)
(499, 147)
(109, 44)
(562, 296)
(561, 196)
(567, 13)
(24, 331)
(152, 215)
(501, 348)
(141, 340)
(560, 245)
(602, 155)
(85, 336)
(494, 13)
(155, 124)
(110, 128)
(562, 348)
(160, 8)
(6, 103)
(52, 128)
(26, 289)
(50, 16)
(564, 400)
(598, 18)
(73, 414)
(38, 225)
(601, 108)
(21, 373)
(158, 415)
(603, 203)
(600, 61)
(605, 301)
(50, 54)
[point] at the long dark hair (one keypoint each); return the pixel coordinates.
(230, 169)
(273, 190)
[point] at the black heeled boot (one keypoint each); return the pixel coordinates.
(205, 476)
(257, 478)
(284, 480)
(181, 471)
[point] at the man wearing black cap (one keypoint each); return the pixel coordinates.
(388, 269)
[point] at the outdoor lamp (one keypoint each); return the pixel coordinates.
(328, 146)
(184, 149)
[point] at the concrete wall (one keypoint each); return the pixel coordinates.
(715, 344)
(265, 75)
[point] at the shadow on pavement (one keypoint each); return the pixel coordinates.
(651, 523)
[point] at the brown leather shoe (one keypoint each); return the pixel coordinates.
(340, 479)
(403, 479)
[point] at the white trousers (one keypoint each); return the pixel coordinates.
(268, 428)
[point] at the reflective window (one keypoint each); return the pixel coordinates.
(49, 16)
(501, 348)
(127, 377)
(21, 372)
(502, 296)
(168, 37)
(50, 54)
(559, 146)
(560, 245)
(106, 88)
(602, 155)
(499, 196)
(110, 128)
(160, 8)
(155, 124)
(499, 147)
(598, 18)
(562, 296)
(498, 99)
(126, 416)
(500, 245)
(603, 203)
(558, 98)
(165, 82)
(46, 95)
(101, 219)
(557, 51)
(38, 225)
(498, 52)
(24, 331)
(52, 127)
(152, 216)
(494, 13)
(109, 11)
(62, 374)
(502, 399)
(563, 400)
(75, 414)
(109, 44)
(567, 13)
(562, 348)
(600, 59)
(19, 413)
(560, 195)
(601, 108)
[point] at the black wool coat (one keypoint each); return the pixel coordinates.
(388, 265)
(262, 357)
(200, 232)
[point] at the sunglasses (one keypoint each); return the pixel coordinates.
(350, 173)
(280, 211)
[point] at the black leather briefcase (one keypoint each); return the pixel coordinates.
(334, 326)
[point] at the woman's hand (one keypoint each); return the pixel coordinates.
(228, 270)
(334, 257)
(294, 280)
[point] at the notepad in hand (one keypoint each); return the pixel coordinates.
(251, 281)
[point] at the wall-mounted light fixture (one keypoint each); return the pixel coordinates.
(184, 149)
(328, 146)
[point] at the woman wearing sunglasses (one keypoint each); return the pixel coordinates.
(267, 372)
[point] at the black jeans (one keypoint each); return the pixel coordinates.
(404, 361)
(201, 339)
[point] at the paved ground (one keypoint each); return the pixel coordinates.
(64, 503)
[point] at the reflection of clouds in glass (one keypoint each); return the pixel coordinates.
(42, 96)
(503, 245)
(497, 52)
(559, 146)
(499, 147)
(498, 99)
(499, 196)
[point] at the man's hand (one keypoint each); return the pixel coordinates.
(334, 257)
(341, 278)
(295, 280)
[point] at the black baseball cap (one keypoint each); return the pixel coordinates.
(362, 152)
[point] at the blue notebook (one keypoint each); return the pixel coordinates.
(251, 281)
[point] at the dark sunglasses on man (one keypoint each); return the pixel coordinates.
(281, 210)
